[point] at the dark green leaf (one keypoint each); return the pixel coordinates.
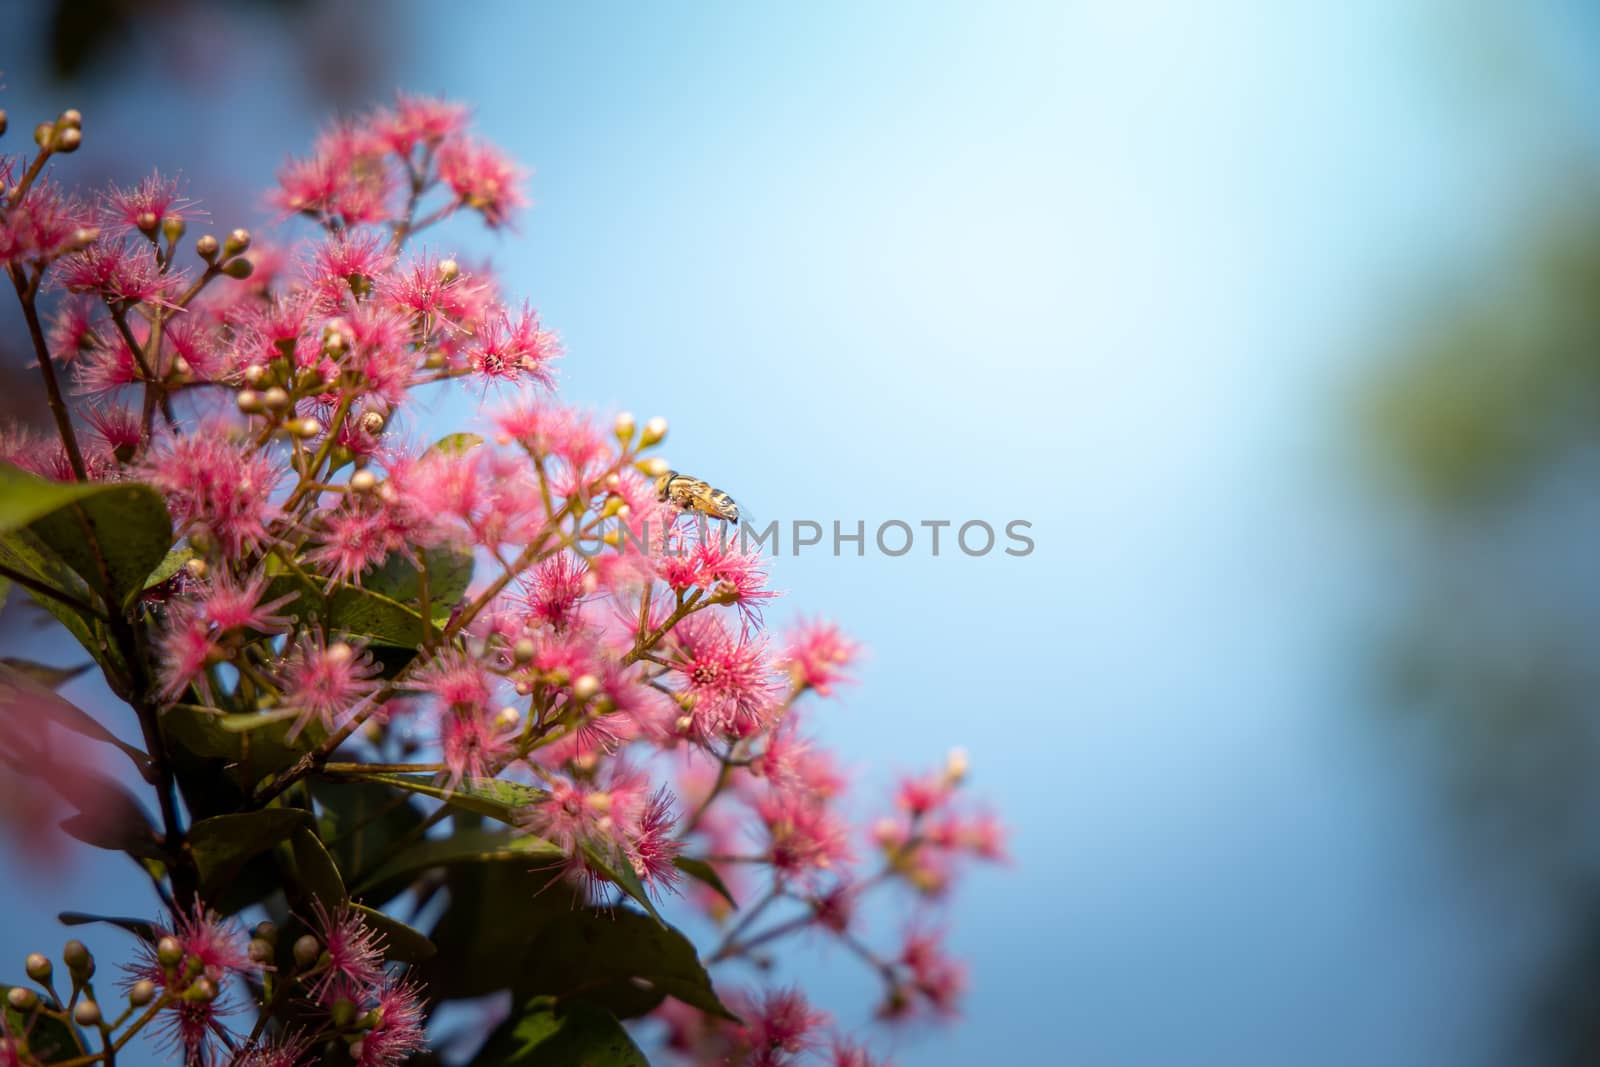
(471, 845)
(351, 610)
(169, 566)
(24, 553)
(400, 942)
(140, 928)
(603, 860)
(449, 574)
(316, 872)
(248, 755)
(620, 959)
(112, 533)
(223, 844)
(496, 910)
(492, 797)
(700, 870)
(543, 1033)
(360, 823)
(49, 1040)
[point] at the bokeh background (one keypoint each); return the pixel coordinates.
(1279, 321)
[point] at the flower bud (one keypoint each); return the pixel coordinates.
(260, 951)
(2, 122)
(84, 236)
(254, 375)
(372, 423)
(207, 247)
(38, 966)
(238, 241)
(87, 1013)
(142, 993)
(586, 686)
(201, 990)
(524, 650)
(363, 481)
(77, 958)
(508, 717)
(238, 269)
(42, 134)
(654, 431)
(249, 401)
(147, 222)
(434, 361)
(624, 427)
(344, 1012)
(306, 427)
(276, 398)
(449, 270)
(169, 953)
(71, 118)
(306, 950)
(655, 466)
(197, 568)
(955, 765)
(172, 228)
(683, 724)
(67, 140)
(22, 998)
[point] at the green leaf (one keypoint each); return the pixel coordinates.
(131, 530)
(21, 686)
(248, 755)
(702, 871)
(140, 928)
(603, 859)
(493, 797)
(169, 566)
(449, 574)
(26, 554)
(49, 1040)
(223, 844)
(44, 674)
(497, 908)
(473, 845)
(351, 610)
(400, 942)
(315, 871)
(620, 959)
(454, 444)
(543, 1033)
(360, 822)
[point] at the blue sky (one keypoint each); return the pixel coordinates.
(1107, 268)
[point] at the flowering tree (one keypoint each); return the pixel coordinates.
(495, 689)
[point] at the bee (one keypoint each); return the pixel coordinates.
(691, 494)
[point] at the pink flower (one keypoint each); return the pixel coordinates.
(553, 594)
(804, 837)
(482, 179)
(322, 681)
(46, 225)
(778, 1025)
(939, 979)
(655, 846)
(818, 654)
(473, 744)
(118, 271)
(503, 350)
(217, 485)
(418, 120)
(348, 258)
(353, 539)
(343, 181)
(729, 676)
(355, 967)
(73, 327)
(398, 1031)
(456, 680)
(233, 605)
(211, 951)
(183, 651)
(145, 206)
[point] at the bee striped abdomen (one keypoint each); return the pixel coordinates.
(692, 494)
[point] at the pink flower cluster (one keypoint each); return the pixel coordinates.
(632, 694)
